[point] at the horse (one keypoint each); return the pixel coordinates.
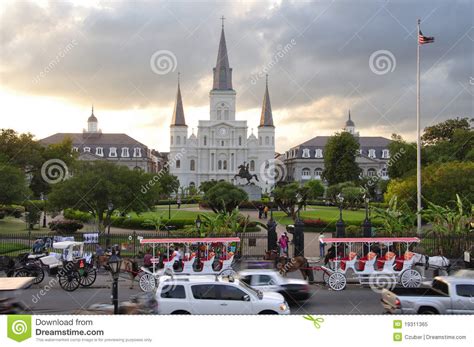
(436, 262)
(244, 173)
(296, 263)
(131, 266)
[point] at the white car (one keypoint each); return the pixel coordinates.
(204, 295)
(292, 289)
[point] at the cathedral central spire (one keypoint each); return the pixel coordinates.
(178, 114)
(266, 118)
(222, 71)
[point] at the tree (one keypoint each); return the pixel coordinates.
(459, 147)
(13, 186)
(402, 157)
(94, 186)
(286, 198)
(315, 189)
(169, 184)
(340, 159)
(224, 197)
(440, 184)
(205, 186)
(444, 131)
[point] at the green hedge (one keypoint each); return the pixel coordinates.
(193, 200)
(12, 210)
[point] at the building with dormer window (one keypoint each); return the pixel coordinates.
(373, 156)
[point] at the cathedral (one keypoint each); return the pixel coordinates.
(222, 147)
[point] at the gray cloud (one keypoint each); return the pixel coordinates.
(110, 64)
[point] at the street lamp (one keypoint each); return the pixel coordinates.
(115, 262)
(272, 200)
(110, 208)
(44, 210)
(198, 223)
(340, 228)
(299, 199)
(367, 225)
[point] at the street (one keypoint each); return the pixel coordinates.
(49, 298)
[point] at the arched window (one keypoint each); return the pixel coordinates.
(192, 184)
(240, 140)
(384, 173)
(371, 153)
(306, 173)
(225, 164)
(178, 140)
(205, 140)
(178, 164)
(267, 140)
(184, 139)
(219, 114)
(273, 141)
(171, 139)
(385, 154)
(318, 172)
(371, 172)
(252, 165)
(219, 165)
(192, 165)
(260, 140)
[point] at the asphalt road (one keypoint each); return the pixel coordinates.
(49, 298)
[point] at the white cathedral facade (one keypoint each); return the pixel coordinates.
(222, 143)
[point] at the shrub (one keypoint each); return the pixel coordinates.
(65, 226)
(84, 217)
(315, 223)
(13, 210)
(353, 231)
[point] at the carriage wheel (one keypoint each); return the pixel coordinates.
(337, 281)
(147, 282)
(38, 274)
(228, 272)
(88, 277)
(410, 279)
(70, 281)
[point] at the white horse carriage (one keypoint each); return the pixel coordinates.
(385, 262)
(187, 256)
(69, 262)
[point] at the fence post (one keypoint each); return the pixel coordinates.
(271, 235)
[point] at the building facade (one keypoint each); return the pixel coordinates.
(221, 143)
(121, 149)
(306, 161)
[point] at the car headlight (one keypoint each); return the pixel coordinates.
(283, 307)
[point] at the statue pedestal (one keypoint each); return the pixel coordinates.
(253, 191)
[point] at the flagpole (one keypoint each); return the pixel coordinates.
(418, 140)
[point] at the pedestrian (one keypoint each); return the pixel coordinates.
(322, 245)
(260, 211)
(283, 243)
(178, 202)
(265, 211)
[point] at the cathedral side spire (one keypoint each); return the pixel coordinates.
(266, 118)
(178, 113)
(222, 71)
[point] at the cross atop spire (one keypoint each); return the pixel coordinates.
(349, 122)
(222, 19)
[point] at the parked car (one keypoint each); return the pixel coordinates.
(215, 295)
(292, 289)
(446, 295)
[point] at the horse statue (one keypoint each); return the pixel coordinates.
(244, 172)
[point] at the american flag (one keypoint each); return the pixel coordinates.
(422, 39)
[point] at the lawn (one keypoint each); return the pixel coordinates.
(10, 225)
(325, 213)
(175, 213)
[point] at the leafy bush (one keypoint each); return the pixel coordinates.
(315, 223)
(84, 217)
(353, 231)
(192, 200)
(13, 210)
(65, 226)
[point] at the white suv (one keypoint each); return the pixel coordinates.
(215, 295)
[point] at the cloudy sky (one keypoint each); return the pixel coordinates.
(323, 58)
